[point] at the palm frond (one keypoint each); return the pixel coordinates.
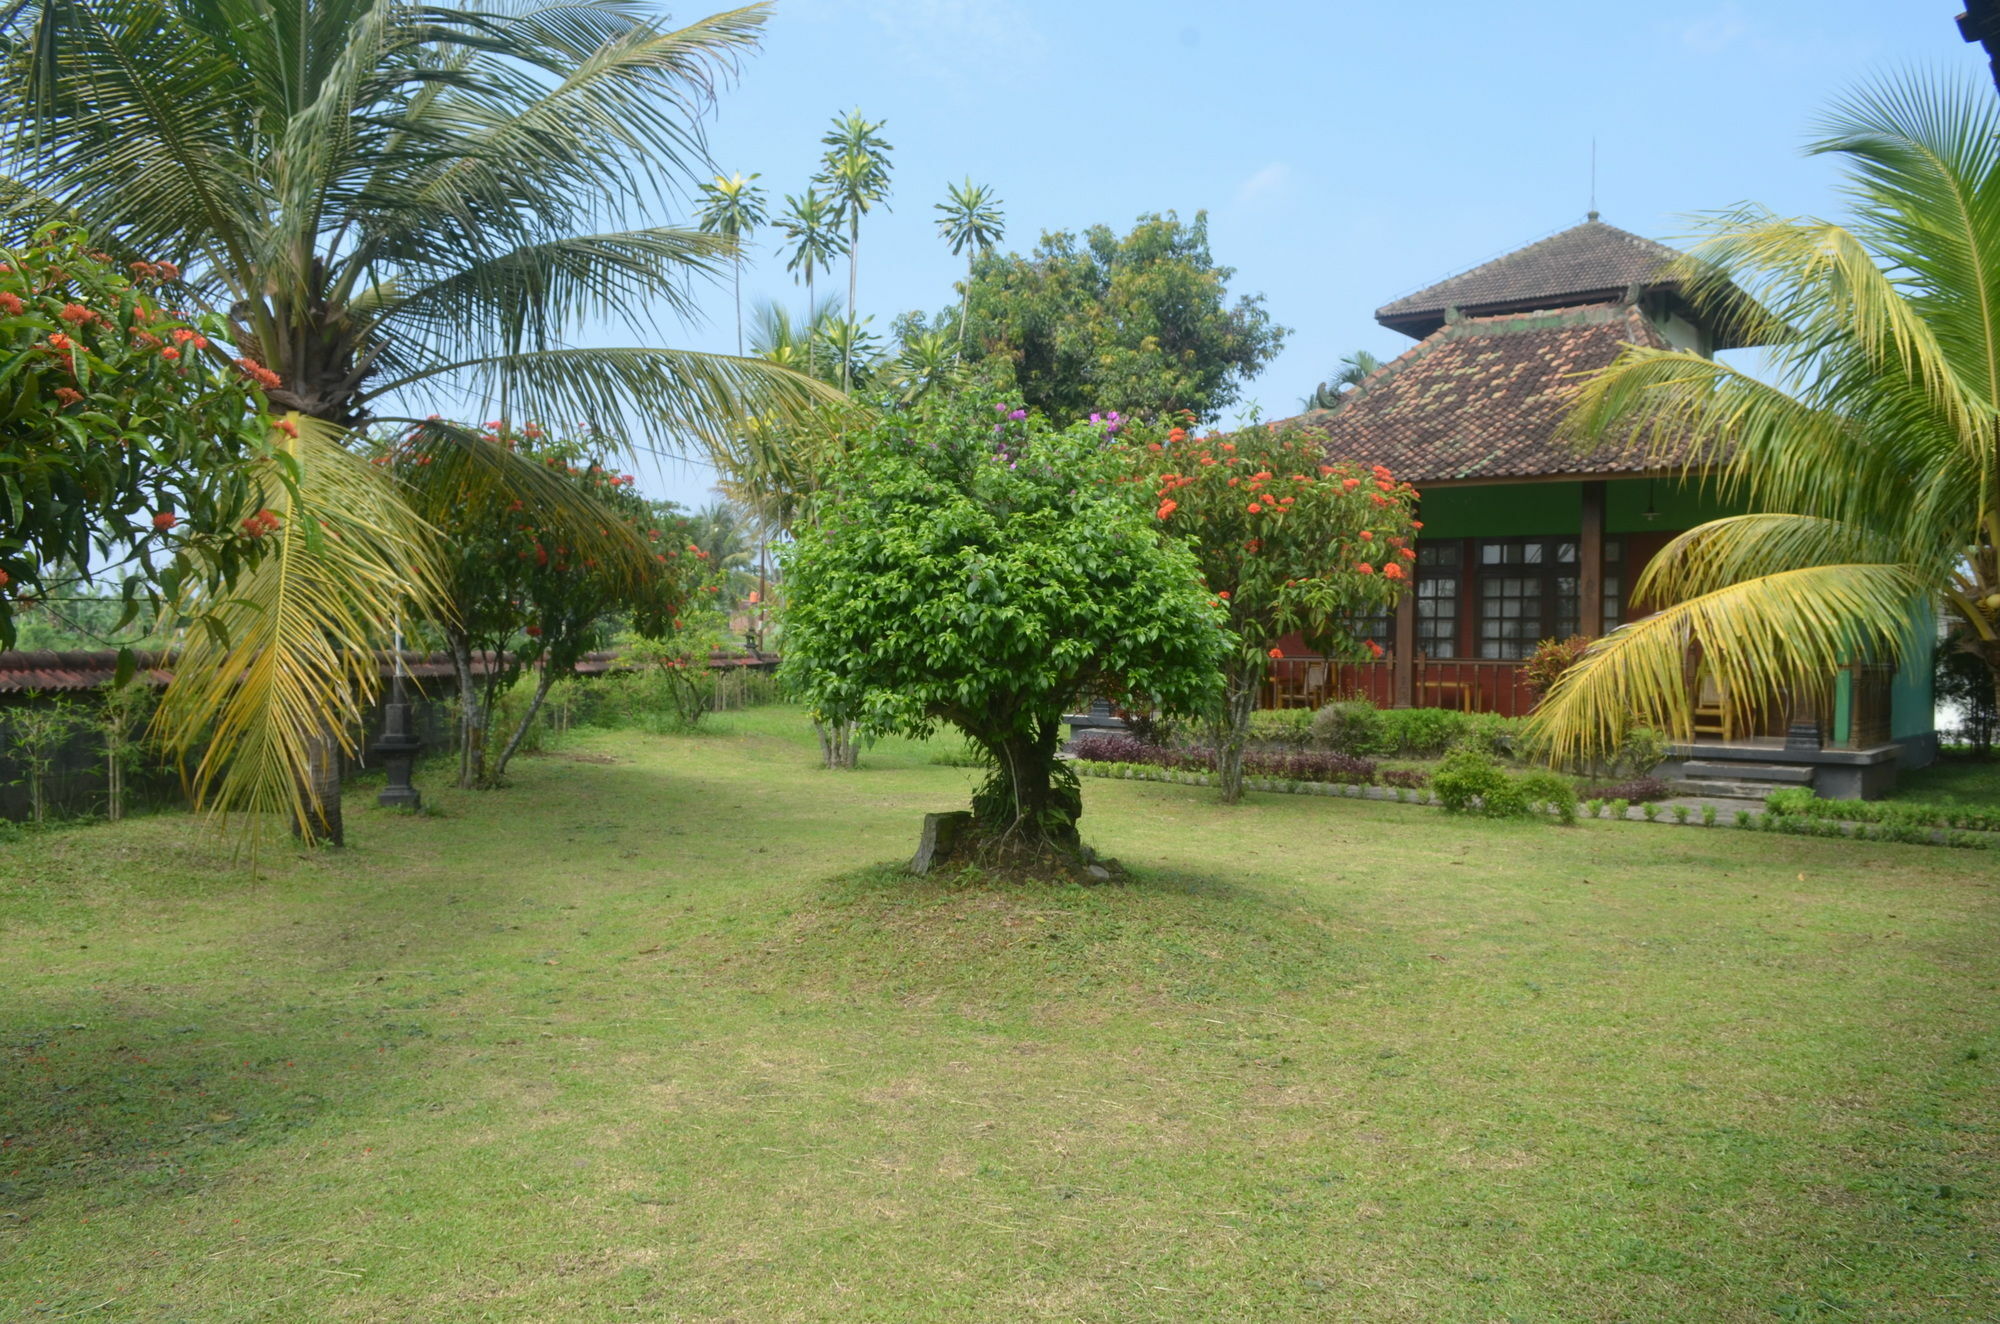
(1742, 547)
(1763, 639)
(287, 656)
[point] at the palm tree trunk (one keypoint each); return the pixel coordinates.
(739, 307)
(964, 303)
(853, 273)
(323, 824)
(812, 350)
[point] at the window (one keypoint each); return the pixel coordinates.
(1528, 592)
(1437, 599)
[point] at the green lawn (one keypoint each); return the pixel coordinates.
(1954, 779)
(647, 1037)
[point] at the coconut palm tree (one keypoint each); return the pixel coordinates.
(733, 208)
(812, 226)
(1871, 451)
(855, 170)
(971, 223)
(375, 203)
(1353, 370)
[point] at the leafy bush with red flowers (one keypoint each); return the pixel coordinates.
(128, 434)
(1287, 540)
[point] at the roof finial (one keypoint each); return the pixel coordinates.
(1591, 215)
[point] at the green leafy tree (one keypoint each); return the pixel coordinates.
(1869, 450)
(129, 453)
(971, 566)
(1286, 542)
(375, 202)
(970, 221)
(855, 172)
(733, 208)
(1141, 324)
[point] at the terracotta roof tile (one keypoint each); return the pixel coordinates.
(1485, 398)
(1592, 262)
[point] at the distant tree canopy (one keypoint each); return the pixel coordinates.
(1140, 324)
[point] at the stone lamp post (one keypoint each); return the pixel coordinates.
(398, 746)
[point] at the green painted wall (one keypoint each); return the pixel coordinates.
(1520, 510)
(1912, 706)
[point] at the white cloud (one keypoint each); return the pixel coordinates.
(936, 35)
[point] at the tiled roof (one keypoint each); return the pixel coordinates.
(1485, 397)
(1588, 263)
(34, 671)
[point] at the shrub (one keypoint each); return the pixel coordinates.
(1308, 765)
(1412, 778)
(1708, 815)
(1743, 818)
(1791, 800)
(1637, 791)
(1490, 733)
(1549, 793)
(1550, 659)
(1619, 809)
(1426, 732)
(1468, 782)
(1593, 808)
(1282, 726)
(1353, 727)
(1650, 809)
(1681, 813)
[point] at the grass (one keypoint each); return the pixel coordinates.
(1955, 779)
(654, 1034)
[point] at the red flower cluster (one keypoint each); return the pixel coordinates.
(260, 374)
(165, 520)
(260, 524)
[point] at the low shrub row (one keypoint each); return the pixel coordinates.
(1309, 765)
(1800, 803)
(1407, 791)
(1639, 790)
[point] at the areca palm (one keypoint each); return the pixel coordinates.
(971, 223)
(855, 170)
(812, 226)
(1871, 455)
(381, 201)
(733, 208)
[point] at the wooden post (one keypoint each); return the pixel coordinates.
(1405, 664)
(1590, 563)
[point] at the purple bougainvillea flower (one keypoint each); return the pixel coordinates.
(1018, 413)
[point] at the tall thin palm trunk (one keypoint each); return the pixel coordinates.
(739, 305)
(965, 303)
(853, 271)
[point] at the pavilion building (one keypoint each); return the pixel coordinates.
(1528, 536)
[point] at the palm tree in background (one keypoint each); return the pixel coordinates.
(733, 208)
(855, 171)
(377, 203)
(1872, 451)
(1353, 370)
(971, 223)
(811, 224)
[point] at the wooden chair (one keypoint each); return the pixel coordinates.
(1309, 688)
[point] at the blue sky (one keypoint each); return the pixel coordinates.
(1345, 153)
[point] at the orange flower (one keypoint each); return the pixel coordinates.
(1350, 483)
(291, 429)
(1392, 571)
(1365, 568)
(67, 396)
(1223, 594)
(1277, 652)
(1177, 434)
(1254, 508)
(1368, 535)
(1374, 648)
(1167, 507)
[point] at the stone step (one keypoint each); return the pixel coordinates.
(1751, 793)
(1706, 770)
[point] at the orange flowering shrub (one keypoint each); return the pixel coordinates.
(1287, 541)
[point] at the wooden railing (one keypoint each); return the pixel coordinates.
(1474, 685)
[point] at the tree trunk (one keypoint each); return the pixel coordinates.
(812, 350)
(964, 304)
(1033, 812)
(853, 271)
(542, 683)
(319, 790)
(1232, 730)
(838, 748)
(471, 717)
(739, 306)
